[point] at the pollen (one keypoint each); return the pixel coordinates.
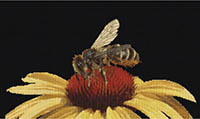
(98, 95)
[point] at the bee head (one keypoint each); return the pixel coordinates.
(78, 64)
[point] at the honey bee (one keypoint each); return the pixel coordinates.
(101, 54)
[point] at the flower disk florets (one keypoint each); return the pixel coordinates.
(99, 96)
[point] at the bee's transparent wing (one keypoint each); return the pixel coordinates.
(108, 34)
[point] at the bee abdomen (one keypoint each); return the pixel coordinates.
(126, 57)
(133, 55)
(126, 54)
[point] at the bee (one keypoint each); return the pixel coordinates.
(101, 54)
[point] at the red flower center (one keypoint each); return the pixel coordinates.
(99, 96)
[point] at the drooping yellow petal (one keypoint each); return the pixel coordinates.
(72, 116)
(42, 107)
(112, 114)
(122, 113)
(46, 78)
(84, 114)
(178, 107)
(132, 114)
(165, 87)
(139, 103)
(97, 115)
(48, 113)
(20, 109)
(35, 89)
(63, 112)
(126, 113)
(91, 115)
(162, 106)
(175, 105)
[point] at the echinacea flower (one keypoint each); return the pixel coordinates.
(122, 97)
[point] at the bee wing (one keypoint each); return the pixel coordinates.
(108, 34)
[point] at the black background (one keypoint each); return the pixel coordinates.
(44, 36)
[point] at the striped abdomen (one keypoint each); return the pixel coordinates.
(123, 55)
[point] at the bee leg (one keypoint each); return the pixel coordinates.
(85, 76)
(106, 61)
(103, 73)
(88, 76)
(88, 81)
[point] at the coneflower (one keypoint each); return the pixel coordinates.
(121, 98)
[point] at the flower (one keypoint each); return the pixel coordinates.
(120, 98)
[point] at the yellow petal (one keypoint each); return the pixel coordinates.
(35, 89)
(84, 114)
(42, 107)
(72, 116)
(137, 81)
(20, 109)
(162, 106)
(91, 115)
(98, 115)
(132, 114)
(48, 113)
(45, 78)
(176, 105)
(63, 112)
(126, 113)
(141, 104)
(112, 114)
(122, 113)
(165, 87)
